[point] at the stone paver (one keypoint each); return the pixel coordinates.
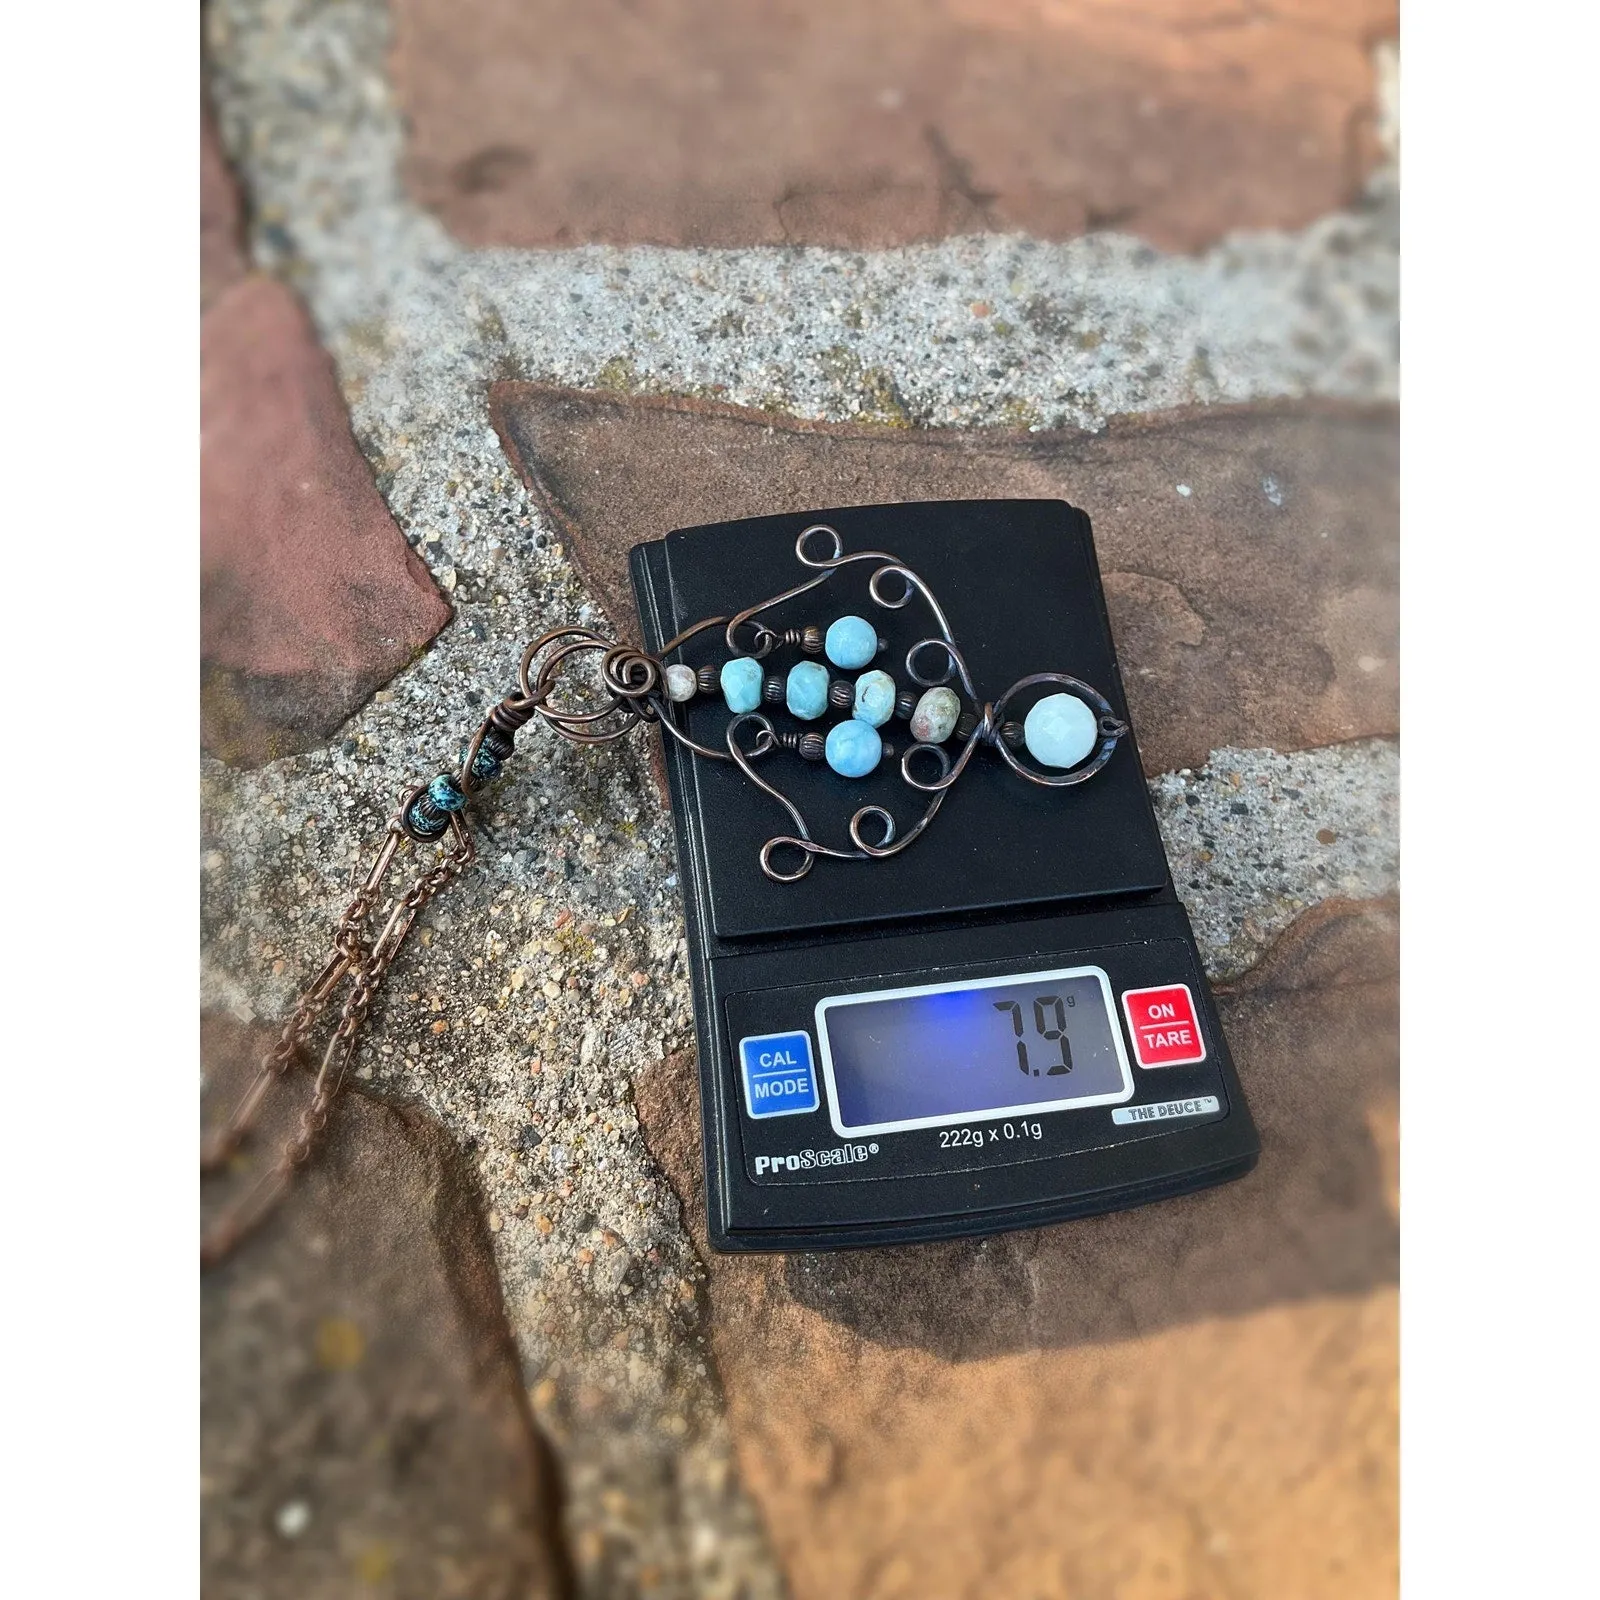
(1250, 557)
(364, 1427)
(714, 122)
(1255, 837)
(310, 599)
(972, 331)
(1192, 1398)
(534, 1012)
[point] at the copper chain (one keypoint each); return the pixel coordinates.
(630, 681)
(365, 965)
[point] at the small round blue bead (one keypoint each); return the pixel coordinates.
(854, 748)
(806, 691)
(444, 794)
(875, 694)
(852, 642)
(1060, 731)
(741, 684)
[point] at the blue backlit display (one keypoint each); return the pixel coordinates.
(943, 1053)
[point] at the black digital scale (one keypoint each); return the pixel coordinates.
(1005, 1025)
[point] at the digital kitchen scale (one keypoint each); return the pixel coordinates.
(1005, 1025)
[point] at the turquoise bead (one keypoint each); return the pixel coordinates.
(1060, 731)
(444, 794)
(853, 748)
(852, 642)
(875, 693)
(806, 692)
(741, 684)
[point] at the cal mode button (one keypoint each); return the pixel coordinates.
(778, 1077)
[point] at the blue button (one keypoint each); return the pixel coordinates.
(778, 1078)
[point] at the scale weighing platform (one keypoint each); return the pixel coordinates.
(1006, 1024)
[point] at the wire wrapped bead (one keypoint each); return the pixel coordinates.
(806, 690)
(1060, 731)
(681, 682)
(741, 684)
(851, 642)
(444, 793)
(853, 748)
(485, 765)
(935, 717)
(874, 698)
(423, 820)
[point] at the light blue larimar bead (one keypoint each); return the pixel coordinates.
(741, 684)
(1060, 731)
(853, 748)
(852, 642)
(875, 693)
(806, 692)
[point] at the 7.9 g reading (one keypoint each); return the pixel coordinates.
(1050, 1023)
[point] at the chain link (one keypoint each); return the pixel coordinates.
(428, 813)
(366, 966)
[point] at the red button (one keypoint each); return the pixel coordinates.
(1162, 1022)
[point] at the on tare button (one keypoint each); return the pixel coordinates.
(778, 1077)
(1166, 1032)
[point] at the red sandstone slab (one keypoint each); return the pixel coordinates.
(1192, 1398)
(310, 597)
(364, 1427)
(717, 122)
(1258, 608)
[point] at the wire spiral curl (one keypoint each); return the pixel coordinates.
(632, 690)
(989, 727)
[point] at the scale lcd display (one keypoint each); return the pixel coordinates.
(963, 1052)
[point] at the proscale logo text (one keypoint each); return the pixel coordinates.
(839, 1155)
